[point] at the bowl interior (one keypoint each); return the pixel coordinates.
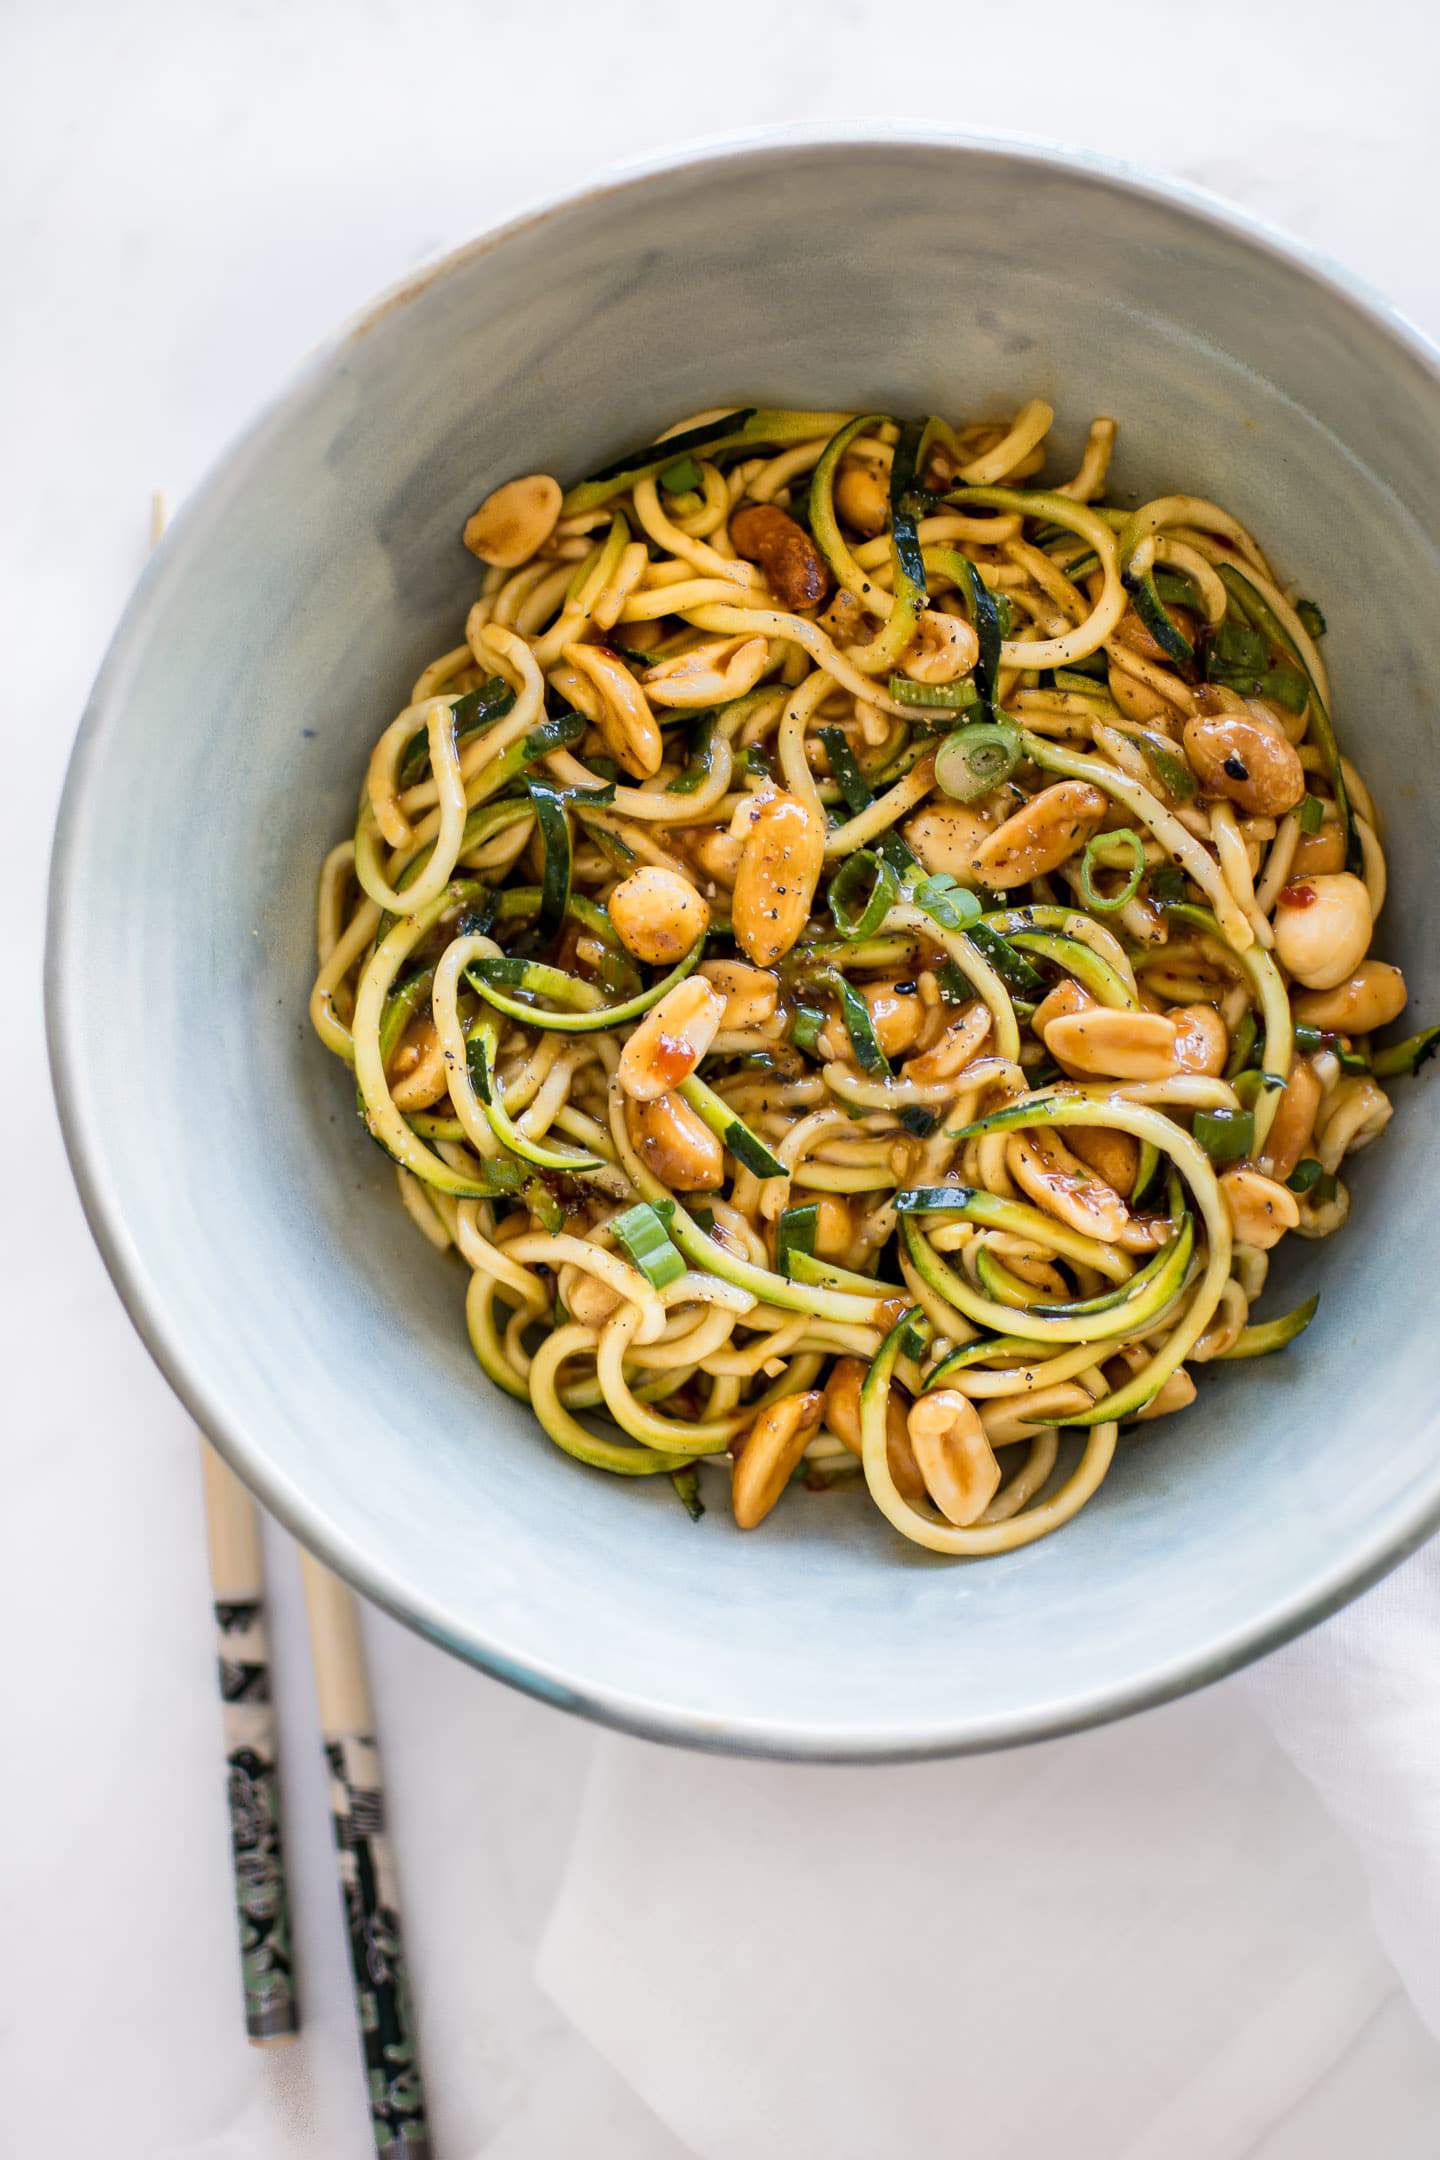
(257, 1235)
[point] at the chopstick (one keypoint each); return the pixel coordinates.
(267, 1972)
(366, 1868)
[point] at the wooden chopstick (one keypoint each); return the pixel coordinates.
(366, 1868)
(267, 1969)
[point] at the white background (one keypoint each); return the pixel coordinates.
(192, 196)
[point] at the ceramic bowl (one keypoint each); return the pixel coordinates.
(255, 1233)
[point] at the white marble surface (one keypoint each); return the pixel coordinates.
(192, 198)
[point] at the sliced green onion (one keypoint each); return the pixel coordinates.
(681, 478)
(860, 1028)
(642, 1235)
(796, 1232)
(1311, 814)
(1313, 1178)
(944, 900)
(1124, 836)
(1225, 1135)
(1252, 1085)
(934, 697)
(976, 759)
(862, 893)
(732, 1131)
(1407, 1056)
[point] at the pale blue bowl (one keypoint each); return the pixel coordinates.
(255, 1234)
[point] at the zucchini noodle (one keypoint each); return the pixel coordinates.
(790, 1117)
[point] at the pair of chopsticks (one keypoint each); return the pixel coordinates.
(357, 1807)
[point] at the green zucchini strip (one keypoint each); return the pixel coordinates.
(732, 1131)
(481, 1048)
(1086, 637)
(1094, 973)
(473, 711)
(555, 983)
(1408, 1056)
(1134, 1315)
(1278, 1052)
(1255, 608)
(1142, 1123)
(1263, 1336)
(901, 607)
(382, 1115)
(748, 424)
(973, 1204)
(981, 606)
(554, 824)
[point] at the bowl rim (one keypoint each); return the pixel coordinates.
(1410, 1520)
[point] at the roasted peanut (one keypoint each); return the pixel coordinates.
(671, 1039)
(1260, 1210)
(862, 497)
(631, 731)
(717, 854)
(943, 649)
(954, 1454)
(769, 1452)
(842, 1417)
(676, 1144)
(1113, 1156)
(780, 864)
(750, 993)
(844, 619)
(1353, 1114)
(658, 915)
(794, 567)
(945, 839)
(586, 1298)
(1245, 761)
(708, 674)
(1116, 1045)
(1370, 998)
(1008, 1418)
(1044, 1168)
(1066, 998)
(512, 523)
(962, 1041)
(1317, 854)
(1294, 1121)
(1323, 929)
(1203, 1042)
(1050, 828)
